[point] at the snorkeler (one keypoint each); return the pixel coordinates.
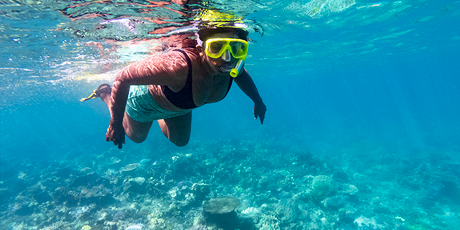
(167, 87)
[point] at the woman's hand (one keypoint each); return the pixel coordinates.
(259, 111)
(117, 135)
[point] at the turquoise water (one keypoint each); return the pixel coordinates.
(359, 95)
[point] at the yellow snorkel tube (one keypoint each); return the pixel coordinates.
(236, 71)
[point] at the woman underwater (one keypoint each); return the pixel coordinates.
(167, 87)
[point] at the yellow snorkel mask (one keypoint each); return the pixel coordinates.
(238, 48)
(217, 47)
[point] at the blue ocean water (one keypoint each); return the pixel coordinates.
(364, 94)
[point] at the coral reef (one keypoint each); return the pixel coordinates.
(242, 186)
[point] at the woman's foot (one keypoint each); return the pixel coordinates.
(101, 91)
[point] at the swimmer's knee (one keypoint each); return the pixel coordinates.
(137, 138)
(136, 131)
(180, 142)
(138, 141)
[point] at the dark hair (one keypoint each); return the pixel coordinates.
(206, 33)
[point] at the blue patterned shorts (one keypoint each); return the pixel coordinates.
(141, 106)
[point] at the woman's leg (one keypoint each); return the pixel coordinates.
(136, 131)
(177, 129)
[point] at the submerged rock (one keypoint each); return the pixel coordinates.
(349, 189)
(367, 222)
(221, 205)
(220, 212)
(139, 180)
(288, 211)
(130, 167)
(250, 212)
(144, 161)
(201, 190)
(334, 201)
(113, 160)
(321, 187)
(135, 185)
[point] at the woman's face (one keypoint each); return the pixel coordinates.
(224, 63)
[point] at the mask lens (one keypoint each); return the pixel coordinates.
(216, 46)
(239, 49)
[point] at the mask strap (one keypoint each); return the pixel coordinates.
(198, 40)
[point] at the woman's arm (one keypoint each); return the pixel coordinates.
(168, 69)
(246, 84)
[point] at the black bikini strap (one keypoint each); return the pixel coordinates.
(184, 98)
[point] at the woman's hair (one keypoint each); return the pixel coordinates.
(206, 33)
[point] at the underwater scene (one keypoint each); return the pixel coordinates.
(361, 131)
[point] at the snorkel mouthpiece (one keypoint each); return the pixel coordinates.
(235, 71)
